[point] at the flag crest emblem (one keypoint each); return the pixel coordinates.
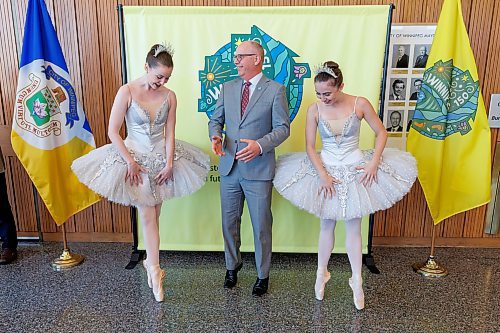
(47, 108)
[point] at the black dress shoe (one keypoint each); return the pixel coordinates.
(8, 256)
(232, 277)
(260, 287)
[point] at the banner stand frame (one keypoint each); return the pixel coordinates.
(137, 255)
(368, 259)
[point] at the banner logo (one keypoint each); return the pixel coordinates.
(279, 65)
(446, 102)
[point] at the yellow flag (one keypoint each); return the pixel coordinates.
(49, 128)
(450, 137)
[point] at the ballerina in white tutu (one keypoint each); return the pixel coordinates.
(342, 182)
(149, 166)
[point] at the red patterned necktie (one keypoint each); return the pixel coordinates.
(245, 96)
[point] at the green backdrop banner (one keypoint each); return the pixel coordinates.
(295, 39)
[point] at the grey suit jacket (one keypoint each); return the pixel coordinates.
(265, 120)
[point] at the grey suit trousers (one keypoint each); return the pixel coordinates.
(234, 190)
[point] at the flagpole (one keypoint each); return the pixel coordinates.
(431, 268)
(60, 118)
(67, 259)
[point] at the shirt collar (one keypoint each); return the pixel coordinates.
(256, 79)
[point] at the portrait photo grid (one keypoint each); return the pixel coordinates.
(408, 52)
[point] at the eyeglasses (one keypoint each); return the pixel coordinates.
(240, 56)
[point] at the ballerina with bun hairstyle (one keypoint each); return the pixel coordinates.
(149, 166)
(342, 182)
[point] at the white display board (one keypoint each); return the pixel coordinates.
(408, 51)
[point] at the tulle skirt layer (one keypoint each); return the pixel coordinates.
(297, 180)
(103, 170)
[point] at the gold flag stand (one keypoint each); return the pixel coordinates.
(67, 259)
(430, 268)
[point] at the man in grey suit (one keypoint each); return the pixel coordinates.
(254, 111)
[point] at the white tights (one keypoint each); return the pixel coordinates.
(352, 244)
(149, 216)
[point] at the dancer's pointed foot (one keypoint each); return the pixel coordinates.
(358, 295)
(322, 277)
(157, 276)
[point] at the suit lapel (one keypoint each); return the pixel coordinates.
(234, 91)
(257, 93)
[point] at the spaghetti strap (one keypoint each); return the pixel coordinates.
(319, 114)
(165, 100)
(130, 99)
(354, 107)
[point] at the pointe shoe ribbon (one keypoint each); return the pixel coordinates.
(357, 293)
(145, 264)
(321, 280)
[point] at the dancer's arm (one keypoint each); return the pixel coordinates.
(327, 181)
(166, 173)
(366, 110)
(116, 119)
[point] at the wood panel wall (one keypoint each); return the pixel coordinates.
(88, 33)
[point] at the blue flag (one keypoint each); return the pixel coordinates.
(49, 127)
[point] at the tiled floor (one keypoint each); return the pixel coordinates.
(101, 296)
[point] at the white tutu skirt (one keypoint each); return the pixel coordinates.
(297, 180)
(103, 170)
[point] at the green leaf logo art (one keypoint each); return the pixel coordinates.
(447, 101)
(279, 65)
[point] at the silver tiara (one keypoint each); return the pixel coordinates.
(163, 47)
(325, 69)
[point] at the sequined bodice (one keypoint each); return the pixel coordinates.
(342, 145)
(145, 133)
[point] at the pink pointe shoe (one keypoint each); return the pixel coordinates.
(156, 275)
(158, 284)
(322, 277)
(357, 293)
(158, 291)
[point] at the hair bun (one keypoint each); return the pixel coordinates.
(162, 47)
(331, 64)
(330, 72)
